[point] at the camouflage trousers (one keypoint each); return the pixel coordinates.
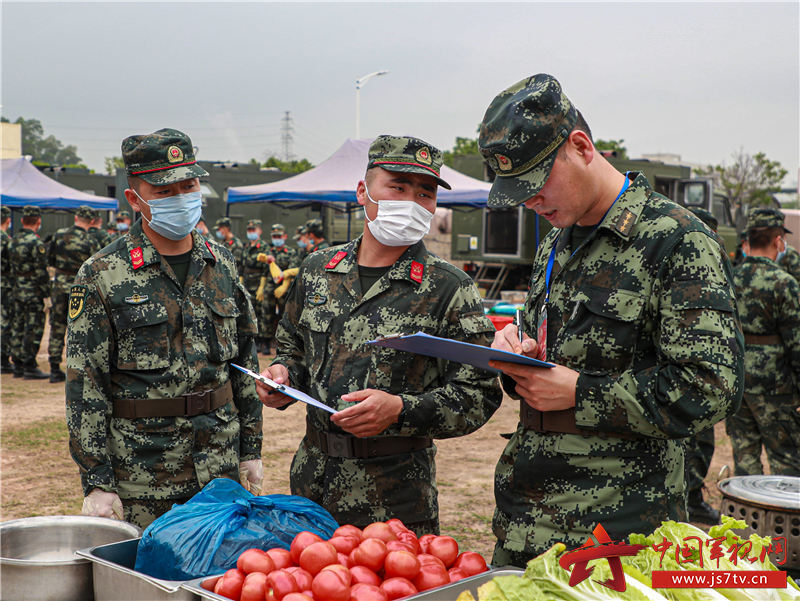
(27, 328)
(6, 333)
(771, 421)
(59, 299)
(697, 453)
(142, 512)
(272, 312)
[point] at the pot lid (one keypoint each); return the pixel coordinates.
(780, 492)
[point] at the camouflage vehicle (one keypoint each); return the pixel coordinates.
(497, 246)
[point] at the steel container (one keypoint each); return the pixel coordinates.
(38, 560)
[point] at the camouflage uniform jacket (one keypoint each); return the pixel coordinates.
(790, 262)
(69, 248)
(252, 270)
(102, 236)
(285, 258)
(135, 334)
(321, 340)
(236, 248)
(5, 259)
(645, 312)
(769, 304)
(29, 265)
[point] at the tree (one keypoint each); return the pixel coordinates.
(614, 146)
(288, 166)
(462, 147)
(112, 163)
(748, 182)
(47, 150)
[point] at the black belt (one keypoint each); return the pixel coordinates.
(352, 447)
(562, 422)
(195, 403)
(65, 272)
(763, 339)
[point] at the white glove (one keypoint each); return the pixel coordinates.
(102, 504)
(251, 473)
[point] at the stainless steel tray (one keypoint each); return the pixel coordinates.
(116, 580)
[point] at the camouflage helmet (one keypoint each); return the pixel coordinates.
(407, 155)
(31, 211)
(278, 228)
(86, 212)
(123, 215)
(764, 217)
(223, 222)
(163, 157)
(253, 223)
(5, 213)
(313, 226)
(705, 217)
(520, 135)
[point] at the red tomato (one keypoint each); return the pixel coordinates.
(298, 597)
(329, 585)
(425, 540)
(301, 577)
(344, 560)
(230, 584)
(318, 555)
(401, 563)
(410, 539)
(349, 530)
(254, 587)
(456, 574)
(427, 558)
(344, 573)
(396, 545)
(344, 544)
(445, 548)
(379, 530)
(431, 576)
(367, 592)
(397, 526)
(300, 542)
(471, 563)
(370, 553)
(397, 588)
(210, 583)
(280, 557)
(255, 560)
(363, 575)
(281, 583)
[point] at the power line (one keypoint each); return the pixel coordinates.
(286, 136)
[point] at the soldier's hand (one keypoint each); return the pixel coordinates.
(268, 395)
(251, 474)
(102, 504)
(373, 412)
(507, 339)
(543, 388)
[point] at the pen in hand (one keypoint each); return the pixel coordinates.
(518, 319)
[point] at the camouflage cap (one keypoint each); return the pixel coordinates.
(313, 226)
(705, 217)
(223, 222)
(163, 157)
(31, 211)
(123, 215)
(764, 218)
(5, 213)
(278, 228)
(407, 155)
(521, 132)
(253, 223)
(301, 230)
(86, 212)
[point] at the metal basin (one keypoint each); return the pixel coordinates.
(37, 556)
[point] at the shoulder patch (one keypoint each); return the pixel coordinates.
(77, 300)
(337, 258)
(417, 269)
(625, 222)
(137, 259)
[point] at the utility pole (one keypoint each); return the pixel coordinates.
(286, 136)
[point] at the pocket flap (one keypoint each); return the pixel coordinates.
(126, 318)
(223, 307)
(620, 305)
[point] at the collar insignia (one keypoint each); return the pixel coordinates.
(625, 222)
(417, 270)
(137, 259)
(337, 258)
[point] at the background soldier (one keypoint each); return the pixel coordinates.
(154, 409)
(69, 248)
(279, 259)
(96, 230)
(790, 261)
(300, 239)
(253, 277)
(226, 238)
(769, 306)
(123, 223)
(374, 458)
(32, 286)
(315, 236)
(6, 287)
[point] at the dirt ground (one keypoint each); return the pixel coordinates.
(38, 477)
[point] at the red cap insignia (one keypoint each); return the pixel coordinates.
(416, 271)
(208, 246)
(336, 259)
(137, 260)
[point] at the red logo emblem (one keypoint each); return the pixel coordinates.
(336, 259)
(416, 271)
(137, 260)
(208, 246)
(175, 152)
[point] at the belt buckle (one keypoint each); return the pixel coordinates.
(196, 402)
(340, 445)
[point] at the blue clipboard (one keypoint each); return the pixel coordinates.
(455, 350)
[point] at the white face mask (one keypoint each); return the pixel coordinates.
(398, 222)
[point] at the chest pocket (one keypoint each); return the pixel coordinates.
(315, 323)
(224, 312)
(143, 337)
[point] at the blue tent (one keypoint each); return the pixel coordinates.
(335, 179)
(23, 184)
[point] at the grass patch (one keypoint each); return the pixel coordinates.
(35, 435)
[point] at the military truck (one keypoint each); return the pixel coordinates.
(497, 246)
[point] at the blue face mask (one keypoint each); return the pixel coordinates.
(301, 243)
(252, 235)
(781, 253)
(219, 235)
(174, 217)
(277, 242)
(122, 227)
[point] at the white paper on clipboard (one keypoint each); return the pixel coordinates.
(287, 390)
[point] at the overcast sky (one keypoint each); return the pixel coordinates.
(701, 80)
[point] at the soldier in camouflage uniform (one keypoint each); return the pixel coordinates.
(96, 230)
(300, 239)
(69, 248)
(790, 261)
(253, 276)
(283, 258)
(154, 409)
(632, 301)
(315, 236)
(5, 292)
(226, 238)
(374, 458)
(769, 305)
(122, 223)
(31, 287)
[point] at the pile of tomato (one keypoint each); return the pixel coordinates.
(382, 562)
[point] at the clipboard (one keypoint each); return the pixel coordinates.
(287, 390)
(455, 350)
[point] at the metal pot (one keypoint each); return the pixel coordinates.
(37, 560)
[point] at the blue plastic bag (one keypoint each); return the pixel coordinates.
(206, 535)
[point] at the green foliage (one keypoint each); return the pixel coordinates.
(112, 163)
(48, 150)
(749, 181)
(612, 146)
(289, 166)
